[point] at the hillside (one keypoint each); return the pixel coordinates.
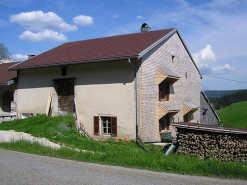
(226, 100)
(234, 115)
(218, 93)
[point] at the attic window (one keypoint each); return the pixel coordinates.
(173, 58)
(64, 71)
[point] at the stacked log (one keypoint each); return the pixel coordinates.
(206, 144)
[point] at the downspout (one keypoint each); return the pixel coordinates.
(137, 120)
(138, 141)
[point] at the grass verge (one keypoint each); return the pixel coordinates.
(127, 154)
(234, 115)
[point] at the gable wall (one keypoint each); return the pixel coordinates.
(106, 88)
(207, 117)
(185, 89)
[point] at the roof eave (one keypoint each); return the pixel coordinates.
(9, 83)
(163, 39)
(70, 63)
(145, 51)
(189, 53)
(210, 105)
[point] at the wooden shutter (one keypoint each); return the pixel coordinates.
(114, 126)
(96, 125)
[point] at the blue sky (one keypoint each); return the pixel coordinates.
(213, 30)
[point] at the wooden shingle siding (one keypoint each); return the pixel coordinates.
(185, 89)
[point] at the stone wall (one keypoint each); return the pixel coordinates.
(206, 144)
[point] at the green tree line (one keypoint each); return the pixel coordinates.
(228, 99)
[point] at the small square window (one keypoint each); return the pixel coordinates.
(64, 71)
(105, 125)
(173, 58)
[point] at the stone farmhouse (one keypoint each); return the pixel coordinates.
(126, 86)
(8, 81)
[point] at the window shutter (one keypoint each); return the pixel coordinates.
(114, 126)
(96, 125)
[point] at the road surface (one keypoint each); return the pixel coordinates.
(21, 168)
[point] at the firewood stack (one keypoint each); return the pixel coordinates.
(205, 144)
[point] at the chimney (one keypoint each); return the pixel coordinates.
(30, 56)
(145, 28)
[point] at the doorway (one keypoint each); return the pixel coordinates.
(7, 98)
(65, 93)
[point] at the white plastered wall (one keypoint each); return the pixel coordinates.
(105, 88)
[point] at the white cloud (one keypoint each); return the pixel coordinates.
(46, 35)
(83, 20)
(206, 60)
(19, 57)
(223, 69)
(219, 22)
(139, 17)
(116, 16)
(38, 21)
(6, 61)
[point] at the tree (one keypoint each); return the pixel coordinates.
(4, 52)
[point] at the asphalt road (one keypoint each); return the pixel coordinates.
(21, 168)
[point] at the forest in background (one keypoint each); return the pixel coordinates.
(227, 99)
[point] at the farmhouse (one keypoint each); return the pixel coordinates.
(7, 89)
(124, 86)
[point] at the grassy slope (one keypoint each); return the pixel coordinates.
(115, 153)
(234, 115)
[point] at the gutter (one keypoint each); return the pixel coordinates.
(69, 63)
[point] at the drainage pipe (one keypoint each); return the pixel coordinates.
(137, 120)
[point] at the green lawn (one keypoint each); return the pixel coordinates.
(61, 130)
(234, 115)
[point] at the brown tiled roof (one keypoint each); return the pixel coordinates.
(105, 48)
(6, 75)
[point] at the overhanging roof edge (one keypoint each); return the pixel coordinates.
(145, 51)
(71, 63)
(189, 53)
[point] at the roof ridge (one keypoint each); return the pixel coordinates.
(117, 36)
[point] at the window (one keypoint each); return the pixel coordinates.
(164, 123)
(105, 125)
(173, 58)
(64, 70)
(164, 90)
(187, 117)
